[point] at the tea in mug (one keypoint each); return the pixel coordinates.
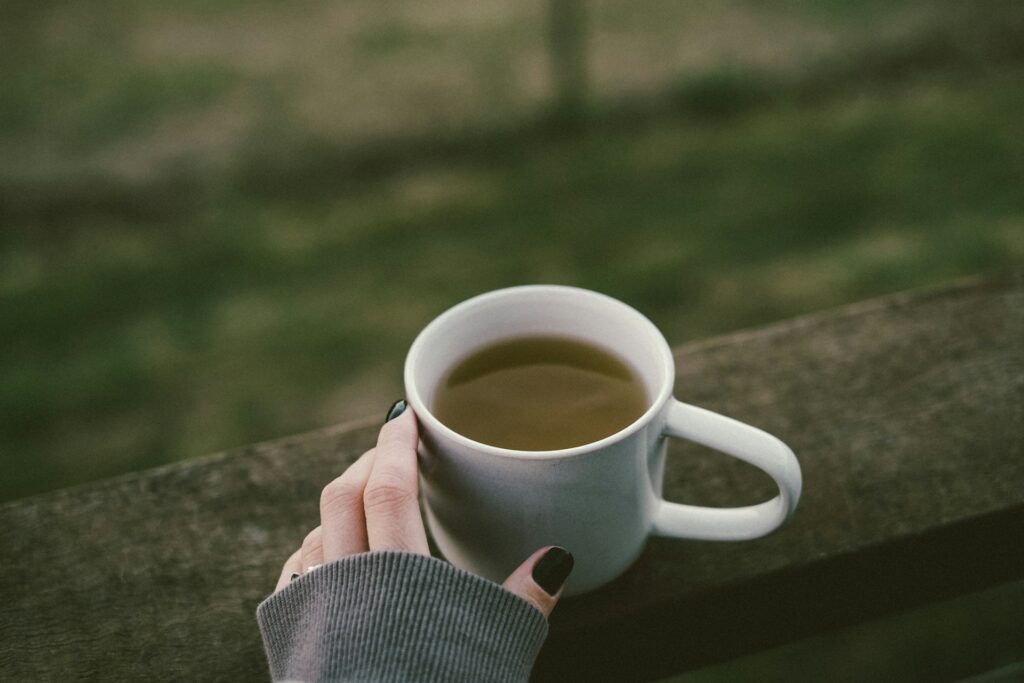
(539, 393)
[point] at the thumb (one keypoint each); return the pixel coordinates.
(539, 580)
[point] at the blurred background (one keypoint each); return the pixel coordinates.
(224, 222)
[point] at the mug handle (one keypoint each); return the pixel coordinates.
(760, 449)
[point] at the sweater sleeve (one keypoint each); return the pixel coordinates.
(398, 616)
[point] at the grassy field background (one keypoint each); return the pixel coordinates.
(223, 223)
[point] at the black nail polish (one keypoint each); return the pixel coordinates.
(396, 409)
(553, 569)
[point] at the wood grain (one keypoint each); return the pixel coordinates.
(907, 414)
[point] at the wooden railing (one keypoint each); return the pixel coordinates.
(907, 414)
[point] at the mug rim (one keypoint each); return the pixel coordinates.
(424, 415)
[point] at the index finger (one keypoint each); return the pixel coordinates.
(391, 500)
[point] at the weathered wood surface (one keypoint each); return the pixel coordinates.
(907, 414)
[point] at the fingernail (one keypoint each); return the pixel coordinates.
(396, 409)
(553, 569)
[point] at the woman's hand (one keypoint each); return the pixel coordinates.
(374, 505)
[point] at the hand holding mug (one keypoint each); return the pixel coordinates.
(374, 505)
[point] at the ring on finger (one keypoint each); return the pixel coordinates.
(310, 568)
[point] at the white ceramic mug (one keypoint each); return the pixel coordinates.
(488, 508)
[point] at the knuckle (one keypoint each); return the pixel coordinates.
(292, 560)
(338, 495)
(312, 541)
(387, 494)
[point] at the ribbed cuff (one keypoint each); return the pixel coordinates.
(397, 616)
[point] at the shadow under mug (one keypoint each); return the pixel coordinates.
(489, 508)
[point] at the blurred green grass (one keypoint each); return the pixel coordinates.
(226, 223)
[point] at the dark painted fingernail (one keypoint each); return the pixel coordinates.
(396, 409)
(553, 569)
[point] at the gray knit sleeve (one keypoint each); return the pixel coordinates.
(397, 616)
